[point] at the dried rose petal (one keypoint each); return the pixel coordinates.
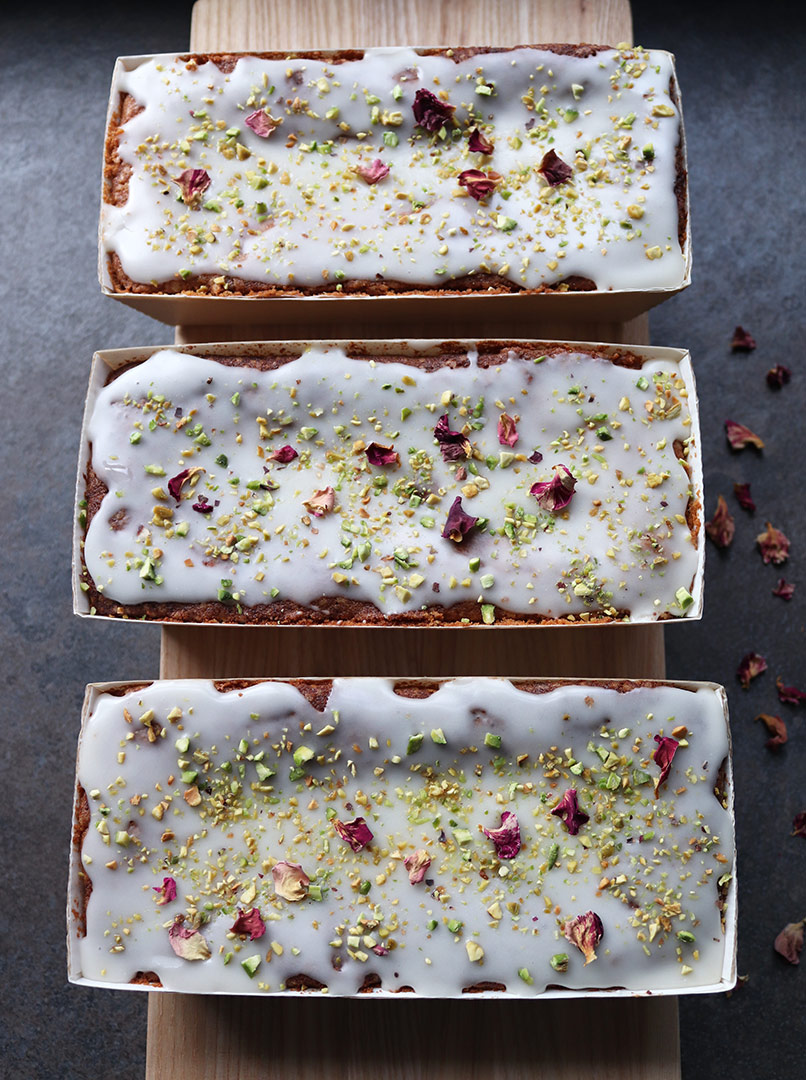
(167, 890)
(380, 950)
(742, 341)
(663, 757)
(186, 943)
(479, 143)
(790, 695)
(478, 183)
(321, 502)
(777, 376)
(382, 455)
(790, 941)
(799, 824)
(743, 496)
(740, 436)
(507, 431)
(585, 931)
(203, 506)
(554, 170)
(417, 864)
(750, 665)
(430, 112)
(284, 455)
(568, 809)
(777, 729)
(774, 545)
(455, 446)
(176, 482)
(458, 524)
(355, 832)
(785, 589)
(249, 922)
(290, 881)
(262, 123)
(721, 527)
(374, 172)
(193, 182)
(535, 457)
(555, 494)
(507, 838)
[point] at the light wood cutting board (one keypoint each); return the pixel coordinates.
(219, 1038)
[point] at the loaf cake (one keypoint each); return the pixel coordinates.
(389, 171)
(503, 482)
(356, 834)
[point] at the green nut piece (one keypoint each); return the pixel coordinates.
(415, 742)
(251, 964)
(560, 961)
(302, 755)
(492, 740)
(438, 736)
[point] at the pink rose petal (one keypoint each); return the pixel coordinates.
(417, 865)
(555, 494)
(249, 922)
(554, 170)
(478, 183)
(167, 890)
(585, 931)
(356, 833)
(188, 944)
(290, 881)
(458, 524)
(663, 756)
(740, 436)
(430, 112)
(262, 123)
(374, 172)
(193, 182)
(507, 838)
(568, 809)
(721, 528)
(507, 431)
(774, 545)
(321, 502)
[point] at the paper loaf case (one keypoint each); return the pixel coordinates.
(449, 848)
(199, 538)
(449, 236)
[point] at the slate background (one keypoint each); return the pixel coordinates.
(744, 119)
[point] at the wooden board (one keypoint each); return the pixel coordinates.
(246, 1038)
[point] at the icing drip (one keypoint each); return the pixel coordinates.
(310, 204)
(202, 506)
(214, 789)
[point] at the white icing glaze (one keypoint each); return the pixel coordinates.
(299, 215)
(656, 883)
(623, 544)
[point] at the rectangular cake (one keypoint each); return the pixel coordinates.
(382, 483)
(516, 837)
(394, 172)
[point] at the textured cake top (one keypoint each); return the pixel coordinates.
(238, 840)
(526, 164)
(547, 485)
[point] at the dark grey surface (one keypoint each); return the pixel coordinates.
(745, 133)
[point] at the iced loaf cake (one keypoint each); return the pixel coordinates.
(395, 171)
(499, 482)
(477, 834)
